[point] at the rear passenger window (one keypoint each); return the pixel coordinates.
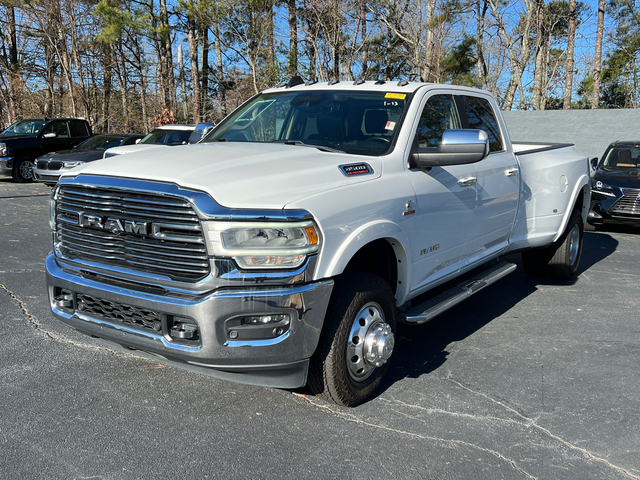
(59, 127)
(480, 116)
(439, 114)
(79, 129)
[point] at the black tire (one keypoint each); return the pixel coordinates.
(362, 308)
(23, 170)
(565, 254)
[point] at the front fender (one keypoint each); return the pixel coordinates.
(335, 262)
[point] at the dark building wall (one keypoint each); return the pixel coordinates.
(591, 131)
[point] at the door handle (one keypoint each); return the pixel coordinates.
(511, 172)
(467, 182)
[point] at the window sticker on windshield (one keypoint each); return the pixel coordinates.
(390, 125)
(399, 96)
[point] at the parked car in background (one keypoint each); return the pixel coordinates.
(26, 140)
(164, 136)
(50, 166)
(616, 186)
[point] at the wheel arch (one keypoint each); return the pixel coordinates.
(580, 201)
(385, 243)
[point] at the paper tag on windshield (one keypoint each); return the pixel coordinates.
(390, 125)
(399, 96)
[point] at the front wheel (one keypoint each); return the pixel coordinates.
(23, 170)
(357, 340)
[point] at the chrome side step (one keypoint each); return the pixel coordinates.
(435, 306)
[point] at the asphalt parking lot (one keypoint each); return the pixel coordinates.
(529, 379)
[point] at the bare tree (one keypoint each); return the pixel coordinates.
(571, 41)
(481, 14)
(514, 43)
(597, 62)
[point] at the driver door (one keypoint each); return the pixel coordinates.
(446, 199)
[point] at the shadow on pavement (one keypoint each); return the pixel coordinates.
(421, 349)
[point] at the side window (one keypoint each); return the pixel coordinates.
(60, 128)
(480, 116)
(79, 129)
(439, 114)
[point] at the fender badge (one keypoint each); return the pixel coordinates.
(410, 210)
(355, 169)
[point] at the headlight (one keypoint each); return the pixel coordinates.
(72, 164)
(602, 186)
(603, 189)
(255, 245)
(3, 149)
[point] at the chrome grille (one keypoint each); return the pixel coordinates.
(628, 204)
(170, 245)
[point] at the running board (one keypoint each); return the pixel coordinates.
(450, 298)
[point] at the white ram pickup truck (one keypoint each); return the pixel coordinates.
(283, 249)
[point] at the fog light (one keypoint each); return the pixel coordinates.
(257, 327)
(265, 319)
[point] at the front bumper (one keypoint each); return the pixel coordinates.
(6, 165)
(46, 176)
(281, 361)
(621, 207)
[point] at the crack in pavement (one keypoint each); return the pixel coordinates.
(24, 310)
(452, 443)
(54, 336)
(531, 422)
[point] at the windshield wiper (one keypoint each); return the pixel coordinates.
(322, 148)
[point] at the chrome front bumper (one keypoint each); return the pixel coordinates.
(281, 361)
(46, 176)
(5, 169)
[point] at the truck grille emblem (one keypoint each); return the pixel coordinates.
(114, 225)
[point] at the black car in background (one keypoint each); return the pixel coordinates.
(50, 166)
(26, 140)
(615, 186)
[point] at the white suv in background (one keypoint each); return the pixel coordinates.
(164, 136)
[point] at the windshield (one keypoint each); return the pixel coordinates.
(362, 123)
(167, 137)
(100, 142)
(625, 159)
(26, 127)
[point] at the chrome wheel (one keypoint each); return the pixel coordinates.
(25, 171)
(357, 340)
(574, 246)
(370, 343)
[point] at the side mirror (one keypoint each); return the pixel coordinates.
(138, 140)
(594, 163)
(49, 135)
(458, 147)
(200, 131)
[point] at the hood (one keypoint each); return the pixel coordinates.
(73, 155)
(619, 178)
(240, 175)
(138, 147)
